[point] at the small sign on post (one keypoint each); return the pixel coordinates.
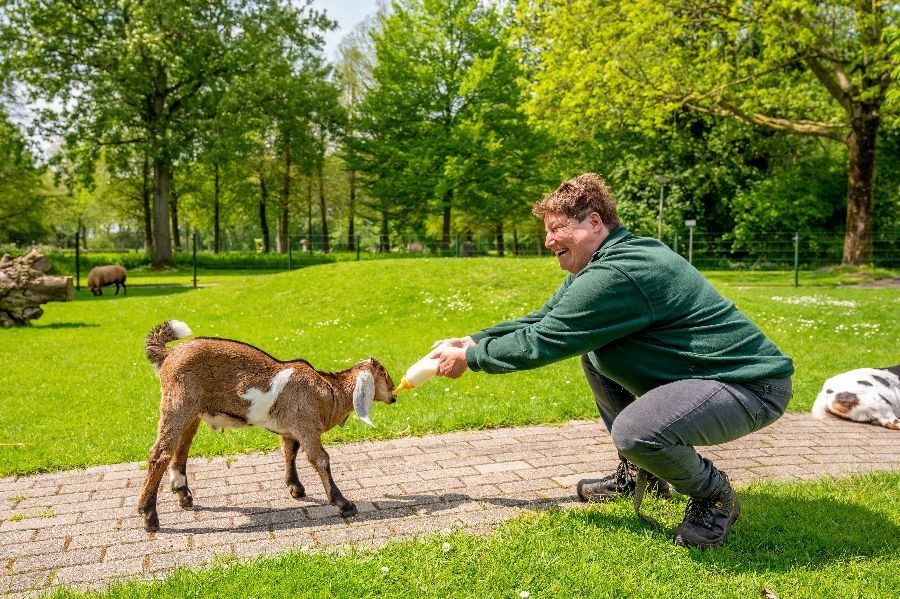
(690, 224)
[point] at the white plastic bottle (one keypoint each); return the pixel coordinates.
(419, 372)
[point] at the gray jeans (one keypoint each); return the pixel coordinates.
(659, 432)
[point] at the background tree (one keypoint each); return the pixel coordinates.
(438, 128)
(802, 67)
(353, 71)
(22, 197)
(127, 72)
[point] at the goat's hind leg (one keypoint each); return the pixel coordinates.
(289, 447)
(160, 455)
(178, 466)
(319, 459)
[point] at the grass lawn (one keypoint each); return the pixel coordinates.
(78, 391)
(821, 539)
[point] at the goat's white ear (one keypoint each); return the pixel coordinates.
(364, 395)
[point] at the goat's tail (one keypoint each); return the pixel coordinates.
(155, 347)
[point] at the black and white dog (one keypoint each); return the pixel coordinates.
(863, 395)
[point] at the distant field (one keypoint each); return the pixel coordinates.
(78, 391)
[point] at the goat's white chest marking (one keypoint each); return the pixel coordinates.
(261, 402)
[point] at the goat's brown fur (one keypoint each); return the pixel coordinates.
(111, 274)
(205, 379)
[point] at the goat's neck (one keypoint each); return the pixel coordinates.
(342, 384)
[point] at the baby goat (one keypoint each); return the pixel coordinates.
(862, 395)
(230, 384)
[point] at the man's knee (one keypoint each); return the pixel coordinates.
(633, 436)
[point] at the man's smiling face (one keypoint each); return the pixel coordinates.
(573, 241)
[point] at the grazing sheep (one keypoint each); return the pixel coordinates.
(862, 395)
(230, 384)
(101, 276)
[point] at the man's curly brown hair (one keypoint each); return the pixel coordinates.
(578, 197)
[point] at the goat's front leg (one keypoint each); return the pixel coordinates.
(289, 447)
(318, 457)
(178, 466)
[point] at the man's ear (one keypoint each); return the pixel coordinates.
(364, 395)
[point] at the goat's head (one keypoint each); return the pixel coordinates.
(373, 383)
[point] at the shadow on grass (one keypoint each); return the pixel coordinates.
(133, 291)
(65, 325)
(777, 532)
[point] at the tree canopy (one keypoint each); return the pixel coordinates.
(443, 116)
(795, 66)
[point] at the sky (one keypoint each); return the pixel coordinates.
(348, 13)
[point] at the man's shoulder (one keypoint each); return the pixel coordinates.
(630, 251)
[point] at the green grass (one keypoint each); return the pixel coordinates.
(78, 391)
(821, 539)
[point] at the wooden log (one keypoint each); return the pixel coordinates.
(24, 285)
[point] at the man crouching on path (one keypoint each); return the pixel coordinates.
(647, 325)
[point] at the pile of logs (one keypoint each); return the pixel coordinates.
(24, 286)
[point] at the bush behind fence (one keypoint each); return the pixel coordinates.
(706, 250)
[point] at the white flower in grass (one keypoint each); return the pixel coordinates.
(524, 594)
(385, 569)
(445, 547)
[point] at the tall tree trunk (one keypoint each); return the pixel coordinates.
(323, 211)
(162, 233)
(173, 204)
(351, 224)
(861, 152)
(500, 248)
(145, 206)
(263, 222)
(82, 232)
(217, 216)
(515, 241)
(445, 229)
(283, 238)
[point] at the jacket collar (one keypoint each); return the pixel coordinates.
(617, 235)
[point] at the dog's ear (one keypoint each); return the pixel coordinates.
(364, 395)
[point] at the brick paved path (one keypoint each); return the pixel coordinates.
(81, 528)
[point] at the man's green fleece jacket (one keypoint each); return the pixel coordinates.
(644, 316)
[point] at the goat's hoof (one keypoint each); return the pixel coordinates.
(297, 491)
(151, 522)
(186, 500)
(348, 510)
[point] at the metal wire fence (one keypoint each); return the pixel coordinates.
(705, 249)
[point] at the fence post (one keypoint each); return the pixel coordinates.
(194, 259)
(457, 245)
(78, 260)
(357, 248)
(796, 259)
(289, 251)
